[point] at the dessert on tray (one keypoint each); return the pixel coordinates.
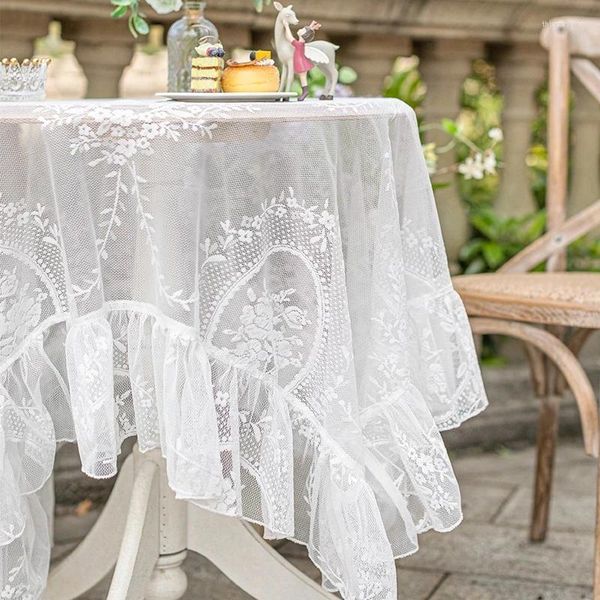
(207, 68)
(259, 74)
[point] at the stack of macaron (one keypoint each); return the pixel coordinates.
(207, 67)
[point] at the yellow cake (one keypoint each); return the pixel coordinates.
(206, 73)
(207, 68)
(254, 76)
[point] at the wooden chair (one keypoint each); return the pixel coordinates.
(552, 312)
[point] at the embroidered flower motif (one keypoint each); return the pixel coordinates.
(294, 317)
(245, 235)
(264, 339)
(327, 220)
(150, 130)
(221, 398)
(9, 209)
(85, 130)
(23, 218)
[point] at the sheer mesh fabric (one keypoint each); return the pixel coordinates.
(260, 291)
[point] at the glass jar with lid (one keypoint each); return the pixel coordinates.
(184, 35)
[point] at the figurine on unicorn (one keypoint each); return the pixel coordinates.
(297, 56)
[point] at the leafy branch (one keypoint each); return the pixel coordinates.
(136, 21)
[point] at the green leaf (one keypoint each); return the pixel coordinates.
(535, 227)
(487, 222)
(258, 5)
(470, 250)
(122, 2)
(440, 185)
(493, 254)
(140, 24)
(131, 24)
(119, 12)
(347, 76)
(449, 126)
(477, 266)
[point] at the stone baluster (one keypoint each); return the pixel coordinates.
(103, 47)
(372, 57)
(520, 71)
(18, 32)
(444, 65)
(585, 155)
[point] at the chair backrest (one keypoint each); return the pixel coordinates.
(572, 43)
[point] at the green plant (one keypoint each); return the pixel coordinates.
(136, 20)
(316, 82)
(498, 238)
(584, 255)
(405, 83)
(138, 25)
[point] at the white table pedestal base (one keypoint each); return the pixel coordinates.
(144, 533)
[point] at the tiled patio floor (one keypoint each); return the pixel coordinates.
(488, 556)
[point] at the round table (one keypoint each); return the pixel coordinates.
(259, 292)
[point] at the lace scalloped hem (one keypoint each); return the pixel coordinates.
(235, 441)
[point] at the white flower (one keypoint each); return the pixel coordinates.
(85, 130)
(245, 235)
(165, 6)
(472, 168)
(126, 147)
(327, 220)
(431, 158)
(489, 162)
(221, 398)
(23, 218)
(9, 209)
(150, 130)
(495, 133)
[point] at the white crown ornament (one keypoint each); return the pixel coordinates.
(23, 81)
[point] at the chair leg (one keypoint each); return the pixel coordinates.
(546, 447)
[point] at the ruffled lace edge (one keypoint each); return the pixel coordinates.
(380, 502)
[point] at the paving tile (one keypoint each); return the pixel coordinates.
(414, 584)
(568, 511)
(517, 467)
(488, 588)
(483, 549)
(207, 582)
(482, 501)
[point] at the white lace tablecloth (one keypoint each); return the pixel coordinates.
(261, 291)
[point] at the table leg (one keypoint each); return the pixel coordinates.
(153, 530)
(139, 550)
(241, 553)
(77, 573)
(168, 580)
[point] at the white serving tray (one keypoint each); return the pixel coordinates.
(227, 97)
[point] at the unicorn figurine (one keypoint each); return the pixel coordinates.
(298, 55)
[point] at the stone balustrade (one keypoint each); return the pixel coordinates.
(447, 35)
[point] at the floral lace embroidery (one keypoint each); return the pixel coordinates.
(265, 340)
